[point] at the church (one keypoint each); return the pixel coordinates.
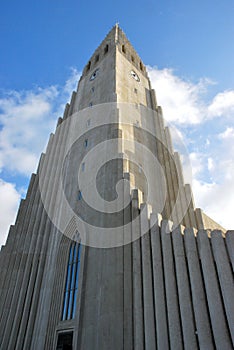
(108, 250)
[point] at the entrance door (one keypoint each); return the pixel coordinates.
(65, 341)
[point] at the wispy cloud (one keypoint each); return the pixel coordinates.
(207, 128)
(222, 105)
(26, 119)
(180, 98)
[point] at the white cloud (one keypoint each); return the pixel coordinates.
(210, 164)
(216, 200)
(227, 134)
(26, 120)
(213, 184)
(180, 99)
(9, 201)
(222, 104)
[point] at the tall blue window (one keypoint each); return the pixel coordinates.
(71, 286)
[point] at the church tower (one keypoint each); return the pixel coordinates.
(108, 250)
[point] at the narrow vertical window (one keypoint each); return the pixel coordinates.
(88, 66)
(123, 49)
(86, 143)
(71, 285)
(79, 195)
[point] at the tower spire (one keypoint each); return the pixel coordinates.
(116, 32)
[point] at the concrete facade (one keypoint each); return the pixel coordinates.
(162, 284)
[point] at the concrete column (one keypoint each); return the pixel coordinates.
(17, 238)
(45, 232)
(73, 98)
(173, 312)
(190, 200)
(66, 111)
(185, 205)
(54, 152)
(203, 327)
(148, 302)
(199, 219)
(138, 325)
(218, 321)
(158, 283)
(35, 231)
(173, 176)
(161, 157)
(185, 304)
(7, 265)
(225, 277)
(127, 273)
(14, 286)
(27, 266)
(168, 175)
(230, 246)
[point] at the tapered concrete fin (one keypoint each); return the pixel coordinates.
(149, 320)
(72, 102)
(186, 308)
(155, 219)
(41, 160)
(66, 111)
(201, 314)
(225, 276)
(172, 301)
(59, 121)
(219, 324)
(166, 226)
(230, 246)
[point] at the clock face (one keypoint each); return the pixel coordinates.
(135, 76)
(94, 75)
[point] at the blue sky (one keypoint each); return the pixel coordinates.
(188, 46)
